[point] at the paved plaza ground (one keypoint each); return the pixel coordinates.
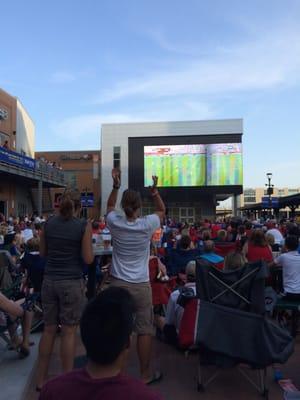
(15, 373)
(179, 381)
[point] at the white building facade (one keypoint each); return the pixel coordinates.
(115, 150)
(25, 133)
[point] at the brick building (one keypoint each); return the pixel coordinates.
(22, 179)
(81, 171)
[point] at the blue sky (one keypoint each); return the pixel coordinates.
(75, 65)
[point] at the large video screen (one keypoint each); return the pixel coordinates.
(224, 164)
(194, 165)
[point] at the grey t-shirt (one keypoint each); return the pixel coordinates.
(63, 241)
(131, 246)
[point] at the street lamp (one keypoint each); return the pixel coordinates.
(85, 207)
(269, 190)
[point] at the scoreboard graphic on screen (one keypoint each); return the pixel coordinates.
(194, 165)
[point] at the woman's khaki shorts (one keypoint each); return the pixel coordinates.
(142, 296)
(63, 301)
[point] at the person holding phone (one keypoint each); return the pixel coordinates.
(131, 235)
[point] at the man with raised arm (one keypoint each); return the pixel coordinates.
(131, 235)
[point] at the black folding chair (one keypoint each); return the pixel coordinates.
(231, 323)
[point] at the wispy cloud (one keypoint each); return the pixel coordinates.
(63, 77)
(269, 61)
(84, 130)
(161, 40)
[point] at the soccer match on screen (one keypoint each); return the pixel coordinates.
(194, 164)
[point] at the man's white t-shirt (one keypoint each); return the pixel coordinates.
(290, 262)
(278, 238)
(131, 246)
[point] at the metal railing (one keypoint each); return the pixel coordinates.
(36, 169)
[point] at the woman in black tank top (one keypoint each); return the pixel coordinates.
(66, 241)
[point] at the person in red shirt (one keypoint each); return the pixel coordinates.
(106, 327)
(95, 228)
(102, 224)
(257, 248)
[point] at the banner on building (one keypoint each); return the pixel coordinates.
(13, 158)
(266, 203)
(87, 199)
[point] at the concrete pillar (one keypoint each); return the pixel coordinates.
(235, 205)
(40, 198)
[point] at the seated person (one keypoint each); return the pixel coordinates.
(14, 310)
(209, 253)
(290, 262)
(271, 242)
(33, 264)
(182, 255)
(10, 244)
(106, 327)
(170, 324)
(204, 235)
(234, 260)
(273, 230)
(221, 236)
(241, 237)
(157, 270)
(257, 247)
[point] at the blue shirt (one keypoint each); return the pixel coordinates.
(212, 257)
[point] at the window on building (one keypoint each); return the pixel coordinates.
(22, 209)
(293, 191)
(3, 138)
(117, 156)
(249, 196)
(187, 214)
(70, 179)
(280, 192)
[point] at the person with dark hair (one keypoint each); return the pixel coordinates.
(293, 229)
(95, 228)
(181, 256)
(257, 247)
(106, 327)
(185, 242)
(131, 237)
(65, 241)
(290, 262)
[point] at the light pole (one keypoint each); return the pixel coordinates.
(269, 191)
(85, 208)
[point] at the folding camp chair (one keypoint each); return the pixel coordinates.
(241, 288)
(223, 249)
(231, 328)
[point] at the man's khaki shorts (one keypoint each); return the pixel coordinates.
(63, 301)
(142, 296)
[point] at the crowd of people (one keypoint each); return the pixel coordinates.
(52, 164)
(51, 255)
